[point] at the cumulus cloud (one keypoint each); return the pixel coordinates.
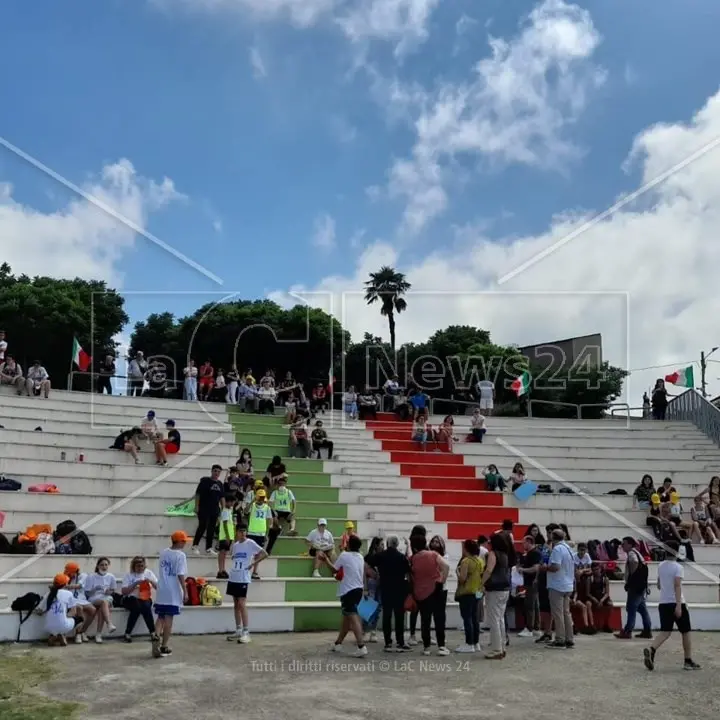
(81, 239)
(644, 277)
(514, 109)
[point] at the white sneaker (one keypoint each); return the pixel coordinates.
(538, 633)
(337, 648)
(426, 651)
(465, 649)
(477, 647)
(78, 639)
(111, 629)
(98, 639)
(433, 642)
(85, 638)
(373, 637)
(443, 651)
(195, 550)
(360, 652)
(316, 574)
(525, 633)
(412, 640)
(244, 638)
(138, 461)
(211, 551)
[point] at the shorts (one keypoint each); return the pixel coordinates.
(77, 621)
(486, 403)
(206, 381)
(224, 545)
(350, 408)
(284, 515)
(668, 619)
(171, 448)
(420, 437)
(259, 539)
(166, 610)
(237, 590)
(350, 600)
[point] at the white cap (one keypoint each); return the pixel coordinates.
(322, 521)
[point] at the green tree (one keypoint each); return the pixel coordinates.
(387, 286)
(42, 314)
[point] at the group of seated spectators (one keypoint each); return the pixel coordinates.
(34, 383)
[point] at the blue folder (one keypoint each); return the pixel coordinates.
(526, 491)
(367, 607)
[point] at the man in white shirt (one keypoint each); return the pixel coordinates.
(560, 584)
(486, 396)
(3, 346)
(320, 542)
(38, 381)
(672, 610)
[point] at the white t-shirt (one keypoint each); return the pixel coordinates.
(242, 554)
(676, 510)
(97, 584)
(353, 565)
(79, 596)
(320, 541)
(172, 564)
(477, 421)
(190, 372)
(485, 388)
(131, 578)
(56, 620)
(668, 570)
(220, 381)
(3, 350)
(484, 552)
(583, 562)
(563, 580)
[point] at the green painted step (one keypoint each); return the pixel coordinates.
(307, 478)
(312, 619)
(245, 436)
(297, 567)
(321, 509)
(316, 493)
(241, 418)
(310, 590)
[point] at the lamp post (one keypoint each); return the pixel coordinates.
(703, 368)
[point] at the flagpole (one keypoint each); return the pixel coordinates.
(72, 361)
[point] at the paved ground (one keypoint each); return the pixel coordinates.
(295, 676)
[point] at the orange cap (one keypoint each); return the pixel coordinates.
(72, 568)
(61, 580)
(180, 536)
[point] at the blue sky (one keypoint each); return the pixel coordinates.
(281, 134)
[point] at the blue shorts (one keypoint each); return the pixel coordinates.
(350, 408)
(420, 437)
(166, 610)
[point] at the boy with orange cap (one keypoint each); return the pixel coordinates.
(60, 615)
(83, 607)
(171, 591)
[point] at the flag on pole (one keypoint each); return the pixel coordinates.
(331, 380)
(682, 378)
(80, 357)
(521, 385)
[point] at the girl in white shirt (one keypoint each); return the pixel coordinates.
(137, 587)
(350, 403)
(83, 608)
(58, 608)
(99, 588)
(191, 373)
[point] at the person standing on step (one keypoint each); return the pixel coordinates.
(560, 584)
(636, 587)
(208, 498)
(226, 533)
(259, 522)
(672, 609)
(246, 555)
(171, 592)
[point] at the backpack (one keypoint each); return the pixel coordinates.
(26, 603)
(22, 547)
(62, 548)
(193, 591)
(544, 488)
(9, 484)
(5, 546)
(63, 529)
(644, 550)
(80, 543)
(593, 550)
(210, 595)
(44, 544)
(618, 491)
(611, 547)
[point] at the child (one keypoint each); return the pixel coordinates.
(245, 466)
(83, 608)
(61, 616)
(283, 503)
(583, 570)
(259, 522)
(171, 593)
(345, 537)
(99, 588)
(419, 431)
(600, 602)
(226, 533)
(246, 555)
(350, 403)
(701, 515)
(169, 445)
(578, 602)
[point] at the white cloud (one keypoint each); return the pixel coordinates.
(80, 239)
(513, 110)
(324, 235)
(663, 254)
(257, 64)
(401, 22)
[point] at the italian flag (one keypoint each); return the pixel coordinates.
(682, 378)
(331, 380)
(521, 385)
(80, 357)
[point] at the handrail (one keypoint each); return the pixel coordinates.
(692, 407)
(552, 402)
(603, 405)
(171, 382)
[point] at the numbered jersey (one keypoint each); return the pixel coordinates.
(259, 517)
(242, 554)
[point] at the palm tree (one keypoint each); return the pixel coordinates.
(388, 286)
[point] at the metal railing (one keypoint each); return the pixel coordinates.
(692, 407)
(552, 402)
(578, 406)
(171, 383)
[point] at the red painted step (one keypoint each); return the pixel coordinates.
(455, 497)
(408, 445)
(418, 482)
(437, 470)
(395, 433)
(460, 514)
(386, 417)
(427, 458)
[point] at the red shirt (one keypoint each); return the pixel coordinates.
(206, 370)
(426, 573)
